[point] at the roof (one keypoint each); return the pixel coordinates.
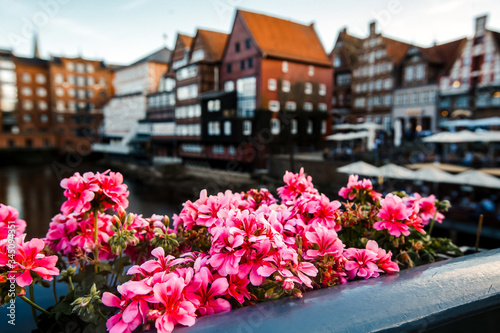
(32, 61)
(185, 39)
(349, 48)
(285, 39)
(395, 48)
(444, 54)
(162, 55)
(214, 43)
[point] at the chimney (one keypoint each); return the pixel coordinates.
(480, 25)
(373, 27)
(344, 31)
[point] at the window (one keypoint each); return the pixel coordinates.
(229, 68)
(187, 92)
(60, 106)
(420, 72)
(27, 118)
(213, 128)
(41, 92)
(42, 105)
(274, 106)
(308, 88)
(387, 84)
(242, 64)
(284, 66)
(309, 127)
(424, 97)
(247, 43)
(311, 71)
(322, 89)
(60, 91)
(214, 105)
(291, 106)
(275, 126)
(80, 80)
(285, 86)
(40, 79)
(308, 106)
(414, 98)
(60, 118)
(343, 79)
(294, 126)
(198, 55)
(218, 149)
(81, 93)
(322, 107)
(26, 78)
(71, 92)
(237, 47)
(27, 105)
(409, 73)
(44, 118)
(387, 123)
(90, 68)
(246, 96)
(271, 84)
(26, 91)
(323, 127)
(250, 62)
(187, 72)
(227, 127)
(336, 61)
(378, 84)
(71, 106)
(247, 127)
(71, 79)
(80, 68)
(229, 86)
(387, 100)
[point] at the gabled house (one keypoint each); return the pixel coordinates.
(416, 97)
(344, 57)
(282, 80)
(471, 88)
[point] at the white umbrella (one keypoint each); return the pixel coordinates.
(477, 178)
(395, 171)
(430, 174)
(359, 168)
(347, 136)
(453, 137)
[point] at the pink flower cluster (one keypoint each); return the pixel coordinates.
(101, 191)
(292, 247)
(357, 187)
(25, 260)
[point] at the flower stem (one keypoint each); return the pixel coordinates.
(54, 291)
(432, 222)
(70, 283)
(96, 249)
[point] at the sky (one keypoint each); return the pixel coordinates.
(122, 31)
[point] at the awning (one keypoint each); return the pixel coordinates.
(359, 168)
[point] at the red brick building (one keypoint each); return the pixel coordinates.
(282, 78)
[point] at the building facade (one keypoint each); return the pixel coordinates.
(79, 90)
(415, 99)
(344, 57)
(8, 93)
(374, 77)
(471, 89)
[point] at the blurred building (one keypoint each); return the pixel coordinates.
(128, 106)
(8, 93)
(344, 57)
(416, 98)
(374, 77)
(471, 89)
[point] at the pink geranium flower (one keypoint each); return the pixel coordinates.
(202, 292)
(174, 308)
(383, 258)
(326, 241)
(295, 185)
(29, 259)
(8, 218)
(80, 193)
(361, 263)
(394, 215)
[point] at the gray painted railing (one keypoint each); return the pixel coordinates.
(458, 295)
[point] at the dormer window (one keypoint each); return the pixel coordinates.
(284, 66)
(197, 55)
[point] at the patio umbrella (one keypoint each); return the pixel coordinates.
(453, 137)
(431, 174)
(477, 178)
(359, 168)
(395, 171)
(347, 136)
(441, 166)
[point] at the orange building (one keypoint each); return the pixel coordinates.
(80, 89)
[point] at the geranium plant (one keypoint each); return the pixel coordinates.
(127, 273)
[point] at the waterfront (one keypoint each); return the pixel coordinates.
(35, 192)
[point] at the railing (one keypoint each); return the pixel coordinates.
(458, 295)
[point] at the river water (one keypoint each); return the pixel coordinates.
(35, 192)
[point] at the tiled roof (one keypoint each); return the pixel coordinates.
(444, 54)
(185, 39)
(348, 50)
(162, 55)
(285, 39)
(395, 48)
(214, 43)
